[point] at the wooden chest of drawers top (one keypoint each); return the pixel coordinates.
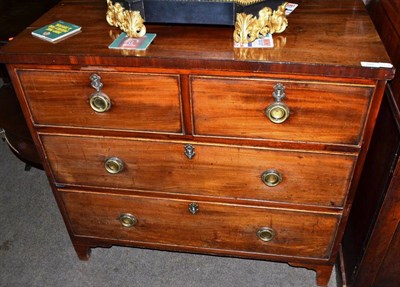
(324, 38)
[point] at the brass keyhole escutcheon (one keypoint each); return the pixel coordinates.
(127, 220)
(266, 234)
(100, 102)
(114, 165)
(193, 208)
(277, 112)
(271, 177)
(189, 151)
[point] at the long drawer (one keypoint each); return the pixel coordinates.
(139, 102)
(214, 170)
(215, 226)
(317, 112)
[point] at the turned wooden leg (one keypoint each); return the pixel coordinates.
(83, 251)
(324, 272)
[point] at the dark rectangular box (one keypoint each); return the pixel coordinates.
(194, 12)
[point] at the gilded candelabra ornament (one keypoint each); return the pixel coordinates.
(248, 27)
(131, 22)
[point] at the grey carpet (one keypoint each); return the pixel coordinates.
(35, 249)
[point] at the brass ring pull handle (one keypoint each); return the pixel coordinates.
(271, 177)
(127, 220)
(278, 112)
(266, 234)
(99, 101)
(114, 165)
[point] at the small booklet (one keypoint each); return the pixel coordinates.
(56, 31)
(125, 43)
(266, 42)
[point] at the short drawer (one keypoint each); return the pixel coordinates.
(203, 225)
(317, 112)
(220, 171)
(139, 102)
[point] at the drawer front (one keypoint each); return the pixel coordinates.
(140, 102)
(214, 225)
(221, 171)
(235, 107)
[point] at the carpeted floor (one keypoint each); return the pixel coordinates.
(35, 249)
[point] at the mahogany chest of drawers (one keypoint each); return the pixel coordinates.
(196, 146)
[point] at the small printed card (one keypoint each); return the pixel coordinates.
(125, 43)
(56, 31)
(290, 8)
(266, 42)
(376, 65)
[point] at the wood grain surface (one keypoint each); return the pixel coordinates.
(220, 171)
(140, 102)
(323, 38)
(215, 226)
